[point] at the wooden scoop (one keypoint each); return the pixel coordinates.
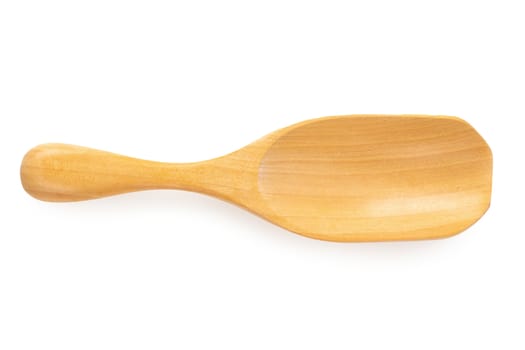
(347, 178)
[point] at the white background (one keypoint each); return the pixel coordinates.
(187, 81)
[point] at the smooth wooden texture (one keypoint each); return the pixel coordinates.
(347, 178)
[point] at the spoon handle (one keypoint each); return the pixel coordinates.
(63, 173)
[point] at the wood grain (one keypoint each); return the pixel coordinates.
(383, 177)
(348, 178)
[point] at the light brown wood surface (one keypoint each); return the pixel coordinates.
(347, 178)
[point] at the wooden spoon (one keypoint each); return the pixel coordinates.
(347, 178)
